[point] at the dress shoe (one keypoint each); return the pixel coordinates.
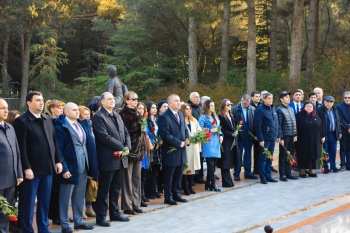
(139, 211)
(295, 169)
(236, 178)
(83, 226)
(145, 199)
(103, 223)
(130, 212)
(283, 178)
(214, 187)
(251, 177)
(157, 195)
(67, 230)
(216, 177)
(120, 218)
(303, 175)
(292, 177)
(143, 204)
(273, 169)
(271, 180)
(306, 171)
(263, 181)
(326, 171)
(312, 175)
(170, 202)
(179, 199)
(347, 168)
(335, 169)
(151, 197)
(199, 180)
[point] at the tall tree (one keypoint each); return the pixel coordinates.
(273, 38)
(312, 37)
(4, 74)
(225, 35)
(251, 51)
(192, 52)
(296, 42)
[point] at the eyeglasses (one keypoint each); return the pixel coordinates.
(346, 98)
(228, 104)
(134, 99)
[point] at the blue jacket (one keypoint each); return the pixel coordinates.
(210, 149)
(266, 123)
(67, 150)
(344, 116)
(291, 104)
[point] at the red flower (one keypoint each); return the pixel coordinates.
(271, 159)
(153, 129)
(322, 169)
(117, 154)
(188, 171)
(145, 114)
(213, 123)
(13, 218)
(291, 163)
(241, 122)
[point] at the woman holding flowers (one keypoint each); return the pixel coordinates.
(192, 150)
(211, 150)
(131, 191)
(227, 123)
(310, 137)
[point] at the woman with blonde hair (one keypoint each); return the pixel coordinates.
(192, 150)
(211, 150)
(84, 112)
(54, 108)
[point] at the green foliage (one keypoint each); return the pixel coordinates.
(6, 208)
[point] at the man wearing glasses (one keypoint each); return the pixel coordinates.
(344, 115)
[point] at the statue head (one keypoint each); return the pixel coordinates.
(111, 71)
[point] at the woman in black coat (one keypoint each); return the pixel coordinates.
(227, 123)
(131, 191)
(310, 137)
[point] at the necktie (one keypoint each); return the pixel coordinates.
(298, 109)
(177, 117)
(330, 117)
(80, 134)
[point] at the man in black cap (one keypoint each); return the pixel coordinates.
(288, 132)
(331, 126)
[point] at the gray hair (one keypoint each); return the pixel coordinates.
(104, 93)
(346, 93)
(191, 95)
(267, 94)
(246, 97)
(204, 98)
(318, 89)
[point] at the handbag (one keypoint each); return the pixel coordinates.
(91, 190)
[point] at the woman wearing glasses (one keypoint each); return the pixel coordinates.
(227, 123)
(211, 150)
(131, 191)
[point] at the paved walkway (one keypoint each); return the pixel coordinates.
(245, 208)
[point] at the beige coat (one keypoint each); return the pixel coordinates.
(193, 150)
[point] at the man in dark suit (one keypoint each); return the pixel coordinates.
(173, 131)
(296, 104)
(111, 136)
(40, 160)
(10, 164)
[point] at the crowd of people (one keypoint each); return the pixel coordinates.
(142, 151)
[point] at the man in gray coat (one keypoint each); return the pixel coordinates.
(10, 163)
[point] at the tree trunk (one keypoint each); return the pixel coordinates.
(273, 40)
(5, 80)
(192, 53)
(225, 35)
(251, 51)
(312, 36)
(296, 42)
(25, 56)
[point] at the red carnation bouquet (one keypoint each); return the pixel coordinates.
(199, 137)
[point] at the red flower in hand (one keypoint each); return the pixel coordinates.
(213, 123)
(153, 129)
(13, 218)
(241, 122)
(117, 154)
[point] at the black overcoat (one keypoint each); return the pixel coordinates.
(227, 154)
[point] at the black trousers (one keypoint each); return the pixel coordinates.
(283, 164)
(151, 180)
(54, 201)
(110, 183)
(211, 162)
(256, 156)
(172, 181)
(226, 178)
